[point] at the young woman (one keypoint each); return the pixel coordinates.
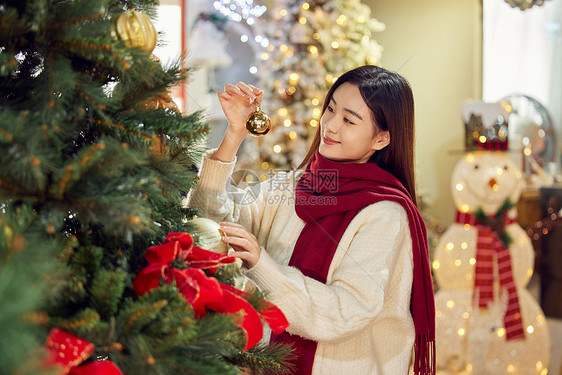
(340, 247)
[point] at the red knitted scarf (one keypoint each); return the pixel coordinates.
(328, 196)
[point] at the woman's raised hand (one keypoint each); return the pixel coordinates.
(238, 102)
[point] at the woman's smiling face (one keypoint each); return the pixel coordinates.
(348, 129)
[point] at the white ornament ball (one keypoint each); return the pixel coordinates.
(209, 235)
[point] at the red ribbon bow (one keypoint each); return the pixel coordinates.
(204, 292)
(70, 351)
(489, 245)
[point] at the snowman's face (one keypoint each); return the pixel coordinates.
(485, 179)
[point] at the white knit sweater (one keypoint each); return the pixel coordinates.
(361, 317)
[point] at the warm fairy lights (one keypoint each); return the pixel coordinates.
(316, 113)
(238, 10)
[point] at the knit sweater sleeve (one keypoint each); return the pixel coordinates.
(217, 199)
(374, 273)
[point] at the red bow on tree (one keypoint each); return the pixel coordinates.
(168, 263)
(69, 351)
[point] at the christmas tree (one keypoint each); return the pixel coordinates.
(95, 161)
(311, 43)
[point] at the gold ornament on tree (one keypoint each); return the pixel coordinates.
(258, 123)
(209, 235)
(136, 30)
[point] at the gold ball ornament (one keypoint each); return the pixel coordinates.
(136, 30)
(258, 123)
(209, 235)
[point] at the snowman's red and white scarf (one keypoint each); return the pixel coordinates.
(489, 245)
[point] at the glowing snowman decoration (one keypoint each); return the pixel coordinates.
(472, 339)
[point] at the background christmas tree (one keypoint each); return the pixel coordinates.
(95, 161)
(311, 43)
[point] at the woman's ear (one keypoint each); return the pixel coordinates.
(382, 139)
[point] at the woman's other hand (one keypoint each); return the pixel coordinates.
(244, 243)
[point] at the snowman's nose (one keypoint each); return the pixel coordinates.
(493, 183)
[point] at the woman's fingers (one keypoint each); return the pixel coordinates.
(246, 89)
(233, 232)
(244, 244)
(224, 95)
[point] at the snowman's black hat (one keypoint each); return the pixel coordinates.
(485, 125)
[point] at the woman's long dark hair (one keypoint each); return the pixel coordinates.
(390, 99)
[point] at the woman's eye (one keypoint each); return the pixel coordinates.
(330, 108)
(345, 119)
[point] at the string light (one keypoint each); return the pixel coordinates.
(238, 10)
(305, 6)
(293, 78)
